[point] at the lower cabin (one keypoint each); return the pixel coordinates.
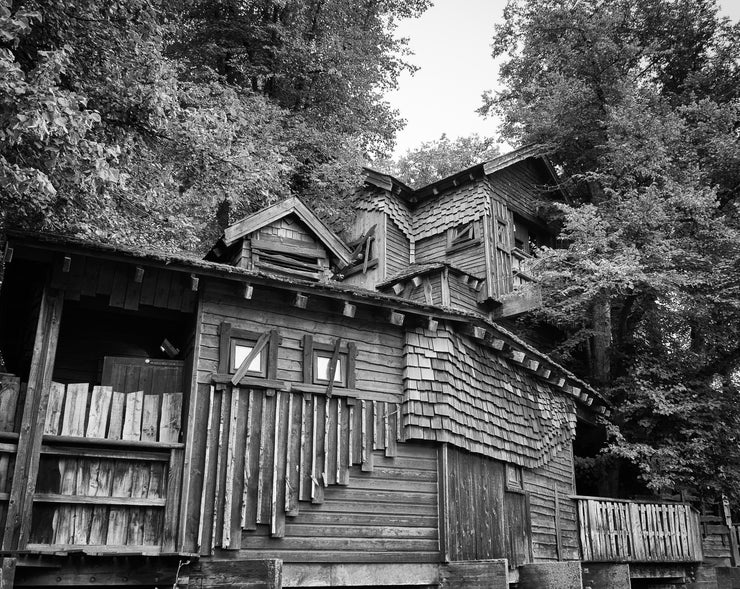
(174, 422)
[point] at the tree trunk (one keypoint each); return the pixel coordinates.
(602, 340)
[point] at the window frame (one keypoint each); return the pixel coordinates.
(230, 336)
(456, 238)
(313, 349)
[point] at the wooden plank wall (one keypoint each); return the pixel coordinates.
(378, 365)
(470, 259)
(97, 496)
(325, 475)
(397, 248)
(518, 186)
(541, 483)
(127, 286)
(474, 508)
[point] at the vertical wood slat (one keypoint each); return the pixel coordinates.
(99, 410)
(172, 505)
(230, 459)
(220, 448)
(53, 418)
(294, 452)
(266, 460)
(170, 420)
(132, 416)
(75, 409)
(9, 391)
(277, 499)
(206, 472)
(307, 452)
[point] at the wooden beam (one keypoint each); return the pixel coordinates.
(333, 368)
(533, 365)
(479, 332)
(194, 283)
(397, 318)
(518, 356)
(138, 275)
(8, 254)
(301, 301)
(66, 264)
(432, 324)
(247, 290)
(416, 281)
(498, 344)
(18, 517)
(398, 288)
(349, 309)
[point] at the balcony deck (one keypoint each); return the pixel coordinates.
(616, 530)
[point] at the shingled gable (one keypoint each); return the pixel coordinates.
(289, 206)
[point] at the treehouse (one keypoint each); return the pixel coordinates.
(296, 411)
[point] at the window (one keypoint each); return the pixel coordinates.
(462, 236)
(240, 349)
(317, 358)
(514, 481)
(235, 345)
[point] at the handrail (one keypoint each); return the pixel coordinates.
(618, 530)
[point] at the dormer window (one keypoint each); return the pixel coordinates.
(462, 236)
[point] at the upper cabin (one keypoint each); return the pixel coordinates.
(465, 241)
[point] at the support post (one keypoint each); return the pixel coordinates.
(20, 503)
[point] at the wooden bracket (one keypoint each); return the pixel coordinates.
(398, 288)
(138, 275)
(66, 264)
(432, 324)
(518, 356)
(247, 290)
(416, 281)
(8, 254)
(498, 344)
(479, 332)
(397, 318)
(349, 309)
(301, 301)
(194, 283)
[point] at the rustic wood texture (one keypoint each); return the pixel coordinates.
(547, 517)
(614, 530)
(158, 287)
(9, 391)
(295, 448)
(92, 496)
(458, 391)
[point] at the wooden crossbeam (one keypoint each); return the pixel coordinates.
(333, 366)
(244, 366)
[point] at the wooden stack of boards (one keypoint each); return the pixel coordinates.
(108, 469)
(268, 451)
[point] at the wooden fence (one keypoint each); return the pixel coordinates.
(110, 471)
(614, 530)
(10, 400)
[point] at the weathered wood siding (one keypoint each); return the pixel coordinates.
(520, 187)
(396, 249)
(473, 505)
(371, 492)
(364, 221)
(387, 515)
(470, 259)
(551, 516)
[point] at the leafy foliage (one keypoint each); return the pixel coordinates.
(157, 123)
(433, 160)
(640, 103)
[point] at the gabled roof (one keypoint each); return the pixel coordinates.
(414, 196)
(289, 206)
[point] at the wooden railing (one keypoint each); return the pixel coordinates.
(614, 530)
(109, 474)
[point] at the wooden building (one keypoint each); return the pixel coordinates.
(294, 410)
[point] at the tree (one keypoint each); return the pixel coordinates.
(433, 160)
(640, 103)
(163, 121)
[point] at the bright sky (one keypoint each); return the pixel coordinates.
(452, 47)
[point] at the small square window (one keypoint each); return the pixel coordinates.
(240, 349)
(321, 368)
(462, 236)
(317, 357)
